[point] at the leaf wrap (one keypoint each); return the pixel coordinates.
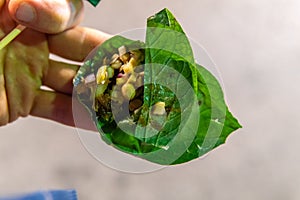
(198, 119)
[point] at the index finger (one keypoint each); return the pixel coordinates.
(75, 44)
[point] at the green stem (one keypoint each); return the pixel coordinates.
(12, 35)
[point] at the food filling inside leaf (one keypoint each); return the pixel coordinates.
(151, 99)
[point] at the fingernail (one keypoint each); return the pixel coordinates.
(25, 12)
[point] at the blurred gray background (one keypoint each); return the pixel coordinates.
(256, 46)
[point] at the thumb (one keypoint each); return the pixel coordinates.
(48, 16)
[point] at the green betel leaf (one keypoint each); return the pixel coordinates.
(168, 45)
(181, 114)
(216, 122)
(94, 2)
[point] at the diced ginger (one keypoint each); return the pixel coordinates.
(102, 75)
(127, 68)
(128, 91)
(159, 108)
(122, 50)
(132, 78)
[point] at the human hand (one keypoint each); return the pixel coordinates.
(25, 65)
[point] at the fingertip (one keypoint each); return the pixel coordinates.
(46, 16)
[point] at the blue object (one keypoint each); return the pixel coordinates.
(46, 195)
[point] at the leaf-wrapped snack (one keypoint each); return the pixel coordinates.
(151, 99)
